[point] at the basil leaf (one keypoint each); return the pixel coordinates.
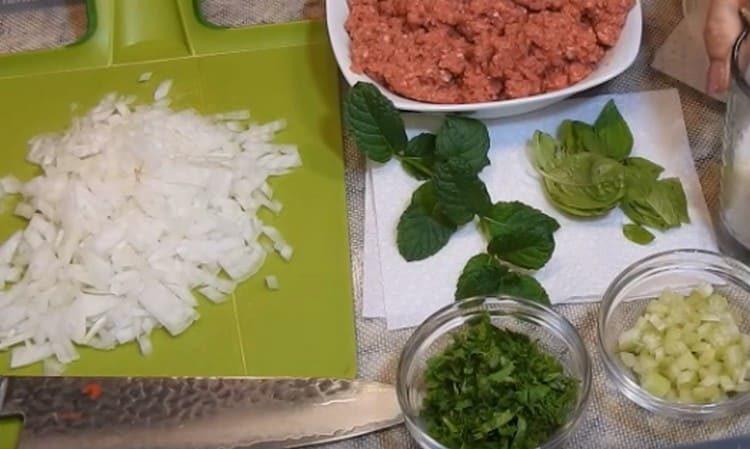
(640, 175)
(585, 184)
(480, 277)
(643, 214)
(465, 138)
(522, 286)
(570, 201)
(545, 150)
(638, 184)
(419, 157)
(528, 247)
(578, 137)
(645, 166)
(613, 132)
(374, 122)
(459, 191)
(484, 275)
(663, 208)
(680, 199)
(514, 215)
(567, 136)
(589, 139)
(422, 229)
(637, 234)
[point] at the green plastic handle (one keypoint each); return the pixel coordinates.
(122, 32)
(146, 30)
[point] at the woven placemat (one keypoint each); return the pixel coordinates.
(611, 421)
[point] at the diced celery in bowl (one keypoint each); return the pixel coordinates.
(688, 348)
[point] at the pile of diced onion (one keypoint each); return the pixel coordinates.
(688, 349)
(137, 207)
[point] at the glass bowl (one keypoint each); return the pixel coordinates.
(626, 298)
(553, 332)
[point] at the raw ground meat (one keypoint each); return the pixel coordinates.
(469, 51)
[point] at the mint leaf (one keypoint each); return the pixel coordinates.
(374, 122)
(514, 215)
(528, 247)
(480, 277)
(522, 286)
(519, 234)
(423, 230)
(637, 234)
(459, 191)
(613, 132)
(419, 157)
(484, 275)
(465, 138)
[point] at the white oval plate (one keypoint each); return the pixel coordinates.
(616, 61)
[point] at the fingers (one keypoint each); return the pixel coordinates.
(723, 26)
(718, 76)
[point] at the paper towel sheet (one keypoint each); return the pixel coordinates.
(372, 285)
(589, 254)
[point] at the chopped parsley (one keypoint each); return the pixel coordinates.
(495, 389)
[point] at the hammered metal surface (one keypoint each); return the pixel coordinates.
(56, 405)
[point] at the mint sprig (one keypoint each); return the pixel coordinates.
(419, 157)
(453, 195)
(485, 275)
(464, 138)
(375, 123)
(423, 229)
(460, 191)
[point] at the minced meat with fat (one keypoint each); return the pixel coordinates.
(468, 51)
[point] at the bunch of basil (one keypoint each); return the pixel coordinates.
(588, 171)
(452, 195)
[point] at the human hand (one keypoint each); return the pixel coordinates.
(723, 25)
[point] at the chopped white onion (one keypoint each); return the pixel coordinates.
(272, 282)
(10, 185)
(29, 354)
(138, 207)
(162, 91)
(144, 343)
(242, 114)
(145, 76)
(53, 368)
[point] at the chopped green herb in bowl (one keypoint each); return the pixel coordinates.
(493, 373)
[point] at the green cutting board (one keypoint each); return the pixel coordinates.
(280, 71)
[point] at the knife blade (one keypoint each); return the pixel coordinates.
(194, 413)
